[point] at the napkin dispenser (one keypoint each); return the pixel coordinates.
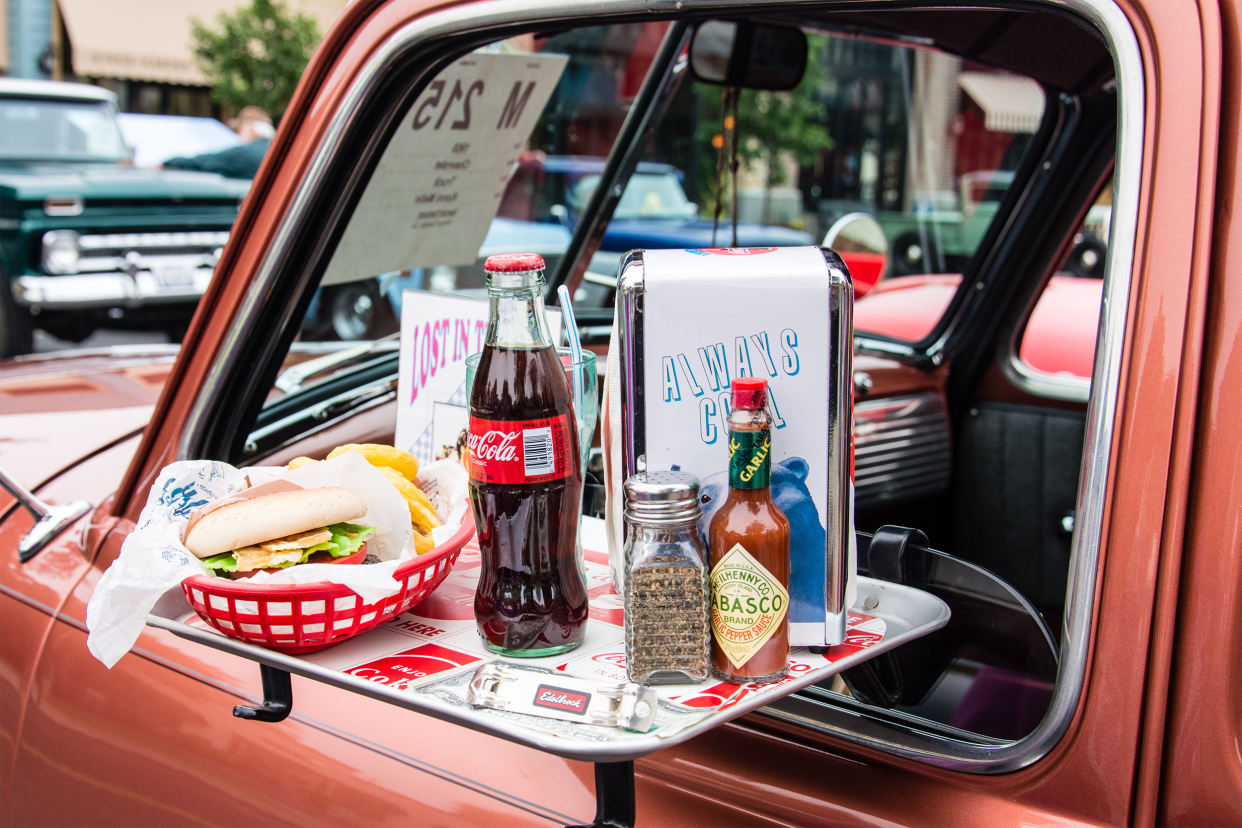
(690, 321)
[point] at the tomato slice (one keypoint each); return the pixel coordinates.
(323, 557)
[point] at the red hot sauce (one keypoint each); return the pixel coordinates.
(748, 542)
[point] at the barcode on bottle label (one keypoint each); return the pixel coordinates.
(537, 451)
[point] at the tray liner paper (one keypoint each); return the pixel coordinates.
(434, 649)
(153, 561)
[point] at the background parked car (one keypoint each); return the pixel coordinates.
(86, 239)
(156, 138)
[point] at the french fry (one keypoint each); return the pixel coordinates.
(299, 462)
(407, 489)
(423, 543)
(421, 512)
(384, 456)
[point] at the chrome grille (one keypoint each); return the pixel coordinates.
(901, 448)
(124, 251)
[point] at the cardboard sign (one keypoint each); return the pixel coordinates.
(438, 332)
(712, 316)
(438, 186)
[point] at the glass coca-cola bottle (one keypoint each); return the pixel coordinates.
(525, 484)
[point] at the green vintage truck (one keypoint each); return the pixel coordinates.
(86, 239)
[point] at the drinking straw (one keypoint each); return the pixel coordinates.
(575, 342)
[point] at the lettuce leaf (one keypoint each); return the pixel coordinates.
(347, 538)
(225, 562)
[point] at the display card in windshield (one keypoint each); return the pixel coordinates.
(438, 186)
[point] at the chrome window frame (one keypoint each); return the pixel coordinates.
(909, 742)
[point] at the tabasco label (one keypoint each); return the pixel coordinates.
(748, 605)
(750, 459)
(520, 451)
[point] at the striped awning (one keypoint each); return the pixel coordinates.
(1010, 103)
(4, 35)
(150, 40)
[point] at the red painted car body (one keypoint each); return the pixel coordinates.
(1059, 337)
(1151, 736)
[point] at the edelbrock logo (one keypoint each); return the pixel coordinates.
(494, 445)
(558, 698)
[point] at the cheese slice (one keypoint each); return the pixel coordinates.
(304, 540)
(253, 557)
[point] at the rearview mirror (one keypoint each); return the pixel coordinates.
(749, 55)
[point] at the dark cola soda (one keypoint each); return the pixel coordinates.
(525, 484)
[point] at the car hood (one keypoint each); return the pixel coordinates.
(630, 234)
(36, 181)
(54, 411)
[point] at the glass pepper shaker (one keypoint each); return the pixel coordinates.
(667, 635)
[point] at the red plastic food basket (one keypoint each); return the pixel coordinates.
(306, 618)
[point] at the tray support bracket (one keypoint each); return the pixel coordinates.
(614, 796)
(277, 698)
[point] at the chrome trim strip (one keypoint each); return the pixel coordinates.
(108, 290)
(901, 448)
(137, 241)
(1118, 34)
(840, 427)
(1070, 389)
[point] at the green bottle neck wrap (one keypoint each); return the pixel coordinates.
(750, 459)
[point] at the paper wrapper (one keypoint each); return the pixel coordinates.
(153, 561)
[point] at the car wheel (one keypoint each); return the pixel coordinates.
(16, 324)
(355, 311)
(1087, 258)
(910, 256)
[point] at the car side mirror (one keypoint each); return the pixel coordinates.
(748, 55)
(861, 242)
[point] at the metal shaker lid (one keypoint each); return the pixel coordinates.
(662, 497)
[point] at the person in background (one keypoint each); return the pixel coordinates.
(255, 129)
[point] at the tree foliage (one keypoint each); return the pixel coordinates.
(770, 124)
(256, 55)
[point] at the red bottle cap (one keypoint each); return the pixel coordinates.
(513, 263)
(750, 392)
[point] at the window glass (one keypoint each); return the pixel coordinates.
(68, 130)
(593, 76)
(1060, 335)
(923, 142)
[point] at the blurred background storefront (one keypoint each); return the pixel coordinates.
(139, 49)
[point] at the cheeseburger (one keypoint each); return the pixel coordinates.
(274, 531)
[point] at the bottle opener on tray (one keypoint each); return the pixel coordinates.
(501, 687)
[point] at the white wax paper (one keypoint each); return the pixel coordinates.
(153, 562)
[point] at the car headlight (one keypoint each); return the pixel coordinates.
(60, 252)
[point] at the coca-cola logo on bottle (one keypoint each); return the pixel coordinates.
(494, 445)
(520, 451)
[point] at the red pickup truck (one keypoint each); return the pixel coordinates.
(1102, 512)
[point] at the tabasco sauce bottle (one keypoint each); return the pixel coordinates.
(748, 541)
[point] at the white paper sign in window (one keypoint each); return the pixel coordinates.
(438, 186)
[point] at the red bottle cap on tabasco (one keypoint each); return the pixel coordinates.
(750, 392)
(513, 263)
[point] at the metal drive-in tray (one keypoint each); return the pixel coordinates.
(423, 661)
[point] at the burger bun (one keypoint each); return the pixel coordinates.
(267, 517)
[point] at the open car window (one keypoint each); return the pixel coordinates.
(868, 143)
